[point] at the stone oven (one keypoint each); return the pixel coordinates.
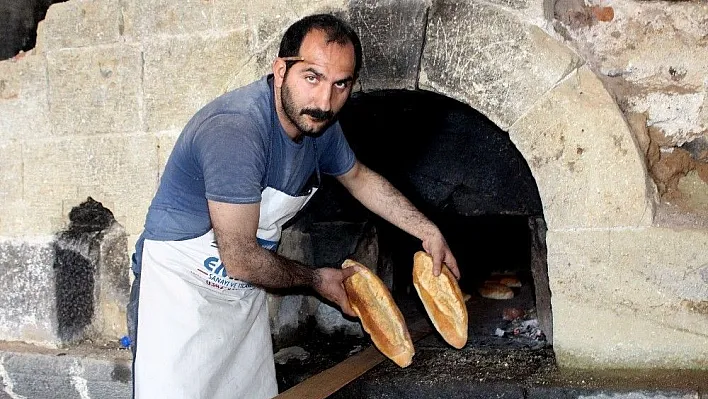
(94, 109)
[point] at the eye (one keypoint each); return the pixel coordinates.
(341, 85)
(311, 79)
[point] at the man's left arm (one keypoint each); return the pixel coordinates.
(377, 194)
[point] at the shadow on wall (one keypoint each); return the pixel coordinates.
(18, 24)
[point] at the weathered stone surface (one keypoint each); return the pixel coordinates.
(289, 313)
(629, 298)
(682, 121)
(391, 33)
(95, 89)
(658, 51)
(147, 18)
(113, 284)
(80, 23)
(23, 98)
(27, 307)
(694, 194)
(11, 171)
(257, 66)
(269, 17)
(330, 320)
(536, 12)
(28, 216)
(119, 171)
(52, 373)
(183, 74)
(496, 64)
(587, 167)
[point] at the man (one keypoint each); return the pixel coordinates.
(238, 172)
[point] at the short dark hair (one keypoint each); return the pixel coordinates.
(336, 30)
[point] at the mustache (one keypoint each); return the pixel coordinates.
(318, 114)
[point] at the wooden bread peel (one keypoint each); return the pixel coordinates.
(329, 381)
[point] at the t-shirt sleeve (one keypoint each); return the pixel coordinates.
(337, 158)
(231, 153)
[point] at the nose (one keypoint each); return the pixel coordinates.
(323, 97)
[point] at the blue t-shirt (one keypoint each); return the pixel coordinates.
(230, 151)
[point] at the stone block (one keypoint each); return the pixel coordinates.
(629, 298)
(183, 74)
(119, 171)
(113, 284)
(80, 23)
(149, 18)
(269, 18)
(587, 166)
(27, 310)
(23, 98)
(392, 38)
(288, 316)
(330, 320)
(488, 58)
(95, 90)
(85, 373)
(30, 216)
(258, 65)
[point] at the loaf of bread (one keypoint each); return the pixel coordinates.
(510, 281)
(442, 299)
(495, 290)
(382, 320)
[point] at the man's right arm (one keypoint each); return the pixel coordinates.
(235, 227)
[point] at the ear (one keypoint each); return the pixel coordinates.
(279, 68)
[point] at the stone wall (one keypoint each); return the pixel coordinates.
(95, 108)
(652, 56)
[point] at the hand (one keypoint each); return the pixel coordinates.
(437, 247)
(330, 284)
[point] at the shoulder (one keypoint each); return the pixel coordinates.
(253, 101)
(245, 111)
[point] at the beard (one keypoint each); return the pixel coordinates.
(298, 117)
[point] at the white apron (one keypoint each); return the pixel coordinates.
(201, 333)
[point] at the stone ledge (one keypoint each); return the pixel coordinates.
(104, 371)
(83, 371)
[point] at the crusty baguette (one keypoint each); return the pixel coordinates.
(379, 314)
(442, 299)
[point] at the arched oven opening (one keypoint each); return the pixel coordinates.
(467, 176)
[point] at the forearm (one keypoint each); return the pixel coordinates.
(251, 263)
(382, 198)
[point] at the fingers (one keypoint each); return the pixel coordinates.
(349, 271)
(438, 249)
(332, 287)
(451, 263)
(437, 262)
(347, 308)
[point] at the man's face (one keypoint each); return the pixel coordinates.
(314, 90)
